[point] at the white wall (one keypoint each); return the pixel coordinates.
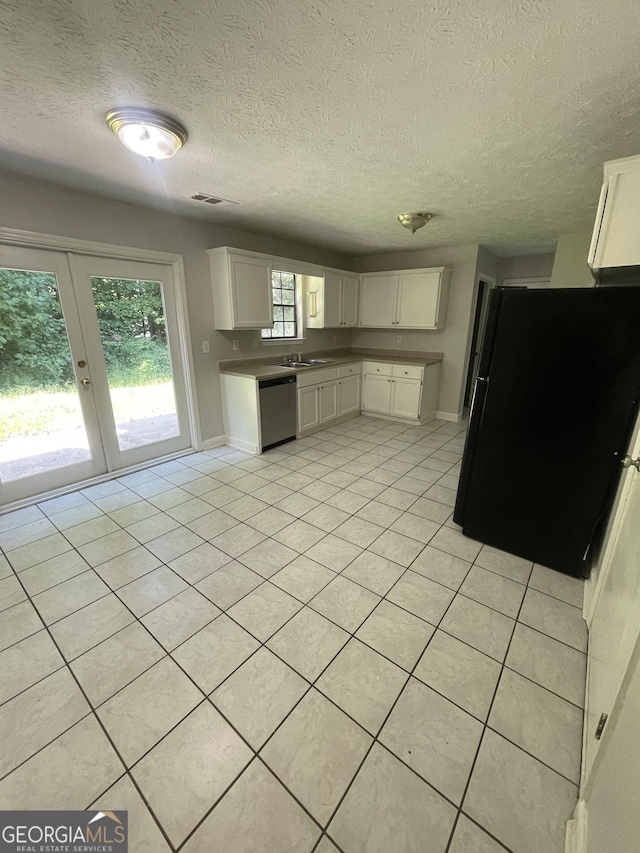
(526, 266)
(570, 265)
(452, 340)
(34, 205)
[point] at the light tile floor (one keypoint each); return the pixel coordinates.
(294, 652)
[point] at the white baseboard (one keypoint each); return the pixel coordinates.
(448, 416)
(575, 840)
(216, 441)
(239, 444)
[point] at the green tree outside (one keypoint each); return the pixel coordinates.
(34, 351)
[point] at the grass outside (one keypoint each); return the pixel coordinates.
(47, 410)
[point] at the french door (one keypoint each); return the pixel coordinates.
(91, 370)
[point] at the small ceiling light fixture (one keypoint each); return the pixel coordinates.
(146, 132)
(414, 220)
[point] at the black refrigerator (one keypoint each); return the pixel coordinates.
(553, 411)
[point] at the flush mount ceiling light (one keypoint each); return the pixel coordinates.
(414, 220)
(145, 132)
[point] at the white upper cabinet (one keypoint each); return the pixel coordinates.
(350, 286)
(419, 294)
(616, 235)
(406, 299)
(241, 290)
(332, 300)
(378, 298)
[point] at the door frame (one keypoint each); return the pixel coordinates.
(35, 240)
(476, 331)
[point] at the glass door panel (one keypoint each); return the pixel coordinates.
(131, 319)
(48, 427)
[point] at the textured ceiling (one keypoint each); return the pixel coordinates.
(327, 118)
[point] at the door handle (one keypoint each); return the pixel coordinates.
(628, 462)
(85, 381)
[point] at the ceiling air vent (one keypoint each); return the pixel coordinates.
(211, 199)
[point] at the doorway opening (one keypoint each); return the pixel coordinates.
(485, 283)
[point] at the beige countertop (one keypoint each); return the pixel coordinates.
(266, 367)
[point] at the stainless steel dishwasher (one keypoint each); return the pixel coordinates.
(277, 411)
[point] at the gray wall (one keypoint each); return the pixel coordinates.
(526, 266)
(453, 339)
(570, 265)
(34, 205)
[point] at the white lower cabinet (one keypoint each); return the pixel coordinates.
(405, 398)
(377, 394)
(328, 393)
(400, 391)
(349, 395)
(308, 407)
(397, 397)
(317, 404)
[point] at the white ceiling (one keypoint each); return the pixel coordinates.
(327, 118)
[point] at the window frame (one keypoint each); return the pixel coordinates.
(299, 321)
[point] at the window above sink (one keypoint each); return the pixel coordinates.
(287, 314)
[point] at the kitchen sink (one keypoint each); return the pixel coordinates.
(292, 364)
(311, 362)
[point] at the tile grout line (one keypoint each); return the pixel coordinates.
(484, 729)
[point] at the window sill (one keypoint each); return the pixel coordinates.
(280, 342)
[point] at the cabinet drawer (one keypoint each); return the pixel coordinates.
(406, 371)
(316, 377)
(376, 367)
(349, 370)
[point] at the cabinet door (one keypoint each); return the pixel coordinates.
(349, 301)
(349, 395)
(378, 295)
(616, 244)
(250, 282)
(405, 397)
(331, 299)
(328, 401)
(308, 407)
(377, 394)
(418, 295)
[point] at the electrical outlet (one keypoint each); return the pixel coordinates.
(205, 347)
(399, 339)
(334, 339)
(236, 344)
(255, 343)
